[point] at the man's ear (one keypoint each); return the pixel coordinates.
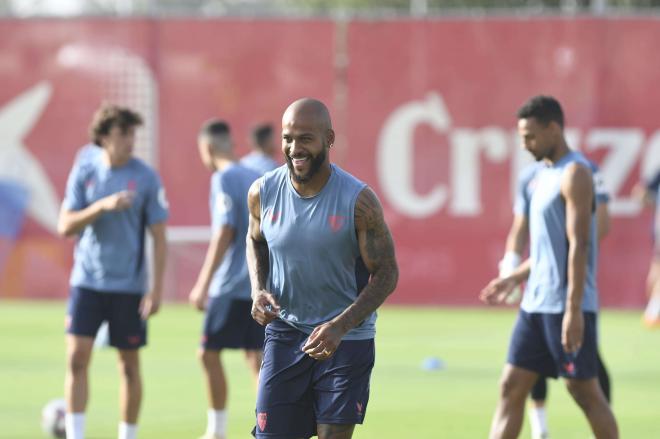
(330, 137)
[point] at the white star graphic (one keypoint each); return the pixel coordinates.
(17, 164)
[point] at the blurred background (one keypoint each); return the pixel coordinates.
(423, 95)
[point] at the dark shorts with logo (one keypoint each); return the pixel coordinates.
(297, 392)
(229, 324)
(89, 308)
(536, 346)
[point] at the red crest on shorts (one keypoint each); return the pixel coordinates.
(570, 368)
(133, 339)
(336, 222)
(261, 420)
(359, 407)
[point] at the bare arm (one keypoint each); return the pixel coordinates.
(516, 240)
(577, 190)
(214, 254)
(71, 222)
(151, 302)
(602, 220)
(264, 306)
(377, 252)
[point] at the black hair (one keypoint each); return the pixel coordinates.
(215, 128)
(544, 109)
(261, 133)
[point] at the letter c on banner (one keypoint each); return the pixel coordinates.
(395, 152)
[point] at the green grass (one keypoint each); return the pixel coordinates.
(406, 402)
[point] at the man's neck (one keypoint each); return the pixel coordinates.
(114, 162)
(315, 184)
(223, 162)
(559, 153)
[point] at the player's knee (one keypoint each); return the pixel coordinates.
(129, 369)
(208, 359)
(581, 393)
(78, 362)
(510, 388)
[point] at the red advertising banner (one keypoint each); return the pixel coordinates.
(424, 112)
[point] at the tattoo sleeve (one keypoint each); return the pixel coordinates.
(257, 247)
(377, 251)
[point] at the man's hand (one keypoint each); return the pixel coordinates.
(323, 342)
(497, 290)
(198, 297)
(572, 331)
(265, 308)
(117, 202)
(150, 304)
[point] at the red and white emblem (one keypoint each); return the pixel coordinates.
(336, 222)
(261, 420)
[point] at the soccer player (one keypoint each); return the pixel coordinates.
(555, 334)
(223, 284)
(111, 199)
(648, 192)
(261, 159)
(515, 245)
(321, 262)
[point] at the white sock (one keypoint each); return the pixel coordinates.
(126, 431)
(217, 422)
(75, 425)
(538, 421)
(652, 311)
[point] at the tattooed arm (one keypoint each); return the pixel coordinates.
(377, 251)
(264, 306)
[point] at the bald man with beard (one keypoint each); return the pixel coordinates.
(321, 261)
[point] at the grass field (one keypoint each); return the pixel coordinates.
(406, 401)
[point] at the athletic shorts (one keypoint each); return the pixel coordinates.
(89, 308)
(229, 324)
(297, 392)
(536, 346)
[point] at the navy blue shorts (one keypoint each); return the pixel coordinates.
(536, 346)
(229, 324)
(89, 308)
(297, 392)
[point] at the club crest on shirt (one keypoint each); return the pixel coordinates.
(336, 222)
(261, 420)
(272, 215)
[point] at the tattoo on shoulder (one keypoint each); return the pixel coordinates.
(368, 211)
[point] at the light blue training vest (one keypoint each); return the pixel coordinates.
(547, 285)
(315, 266)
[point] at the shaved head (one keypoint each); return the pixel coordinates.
(307, 136)
(308, 111)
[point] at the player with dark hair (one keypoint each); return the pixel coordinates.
(515, 246)
(264, 149)
(111, 199)
(321, 262)
(555, 334)
(223, 284)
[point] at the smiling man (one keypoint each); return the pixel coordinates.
(321, 261)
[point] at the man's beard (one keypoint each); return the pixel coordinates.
(314, 165)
